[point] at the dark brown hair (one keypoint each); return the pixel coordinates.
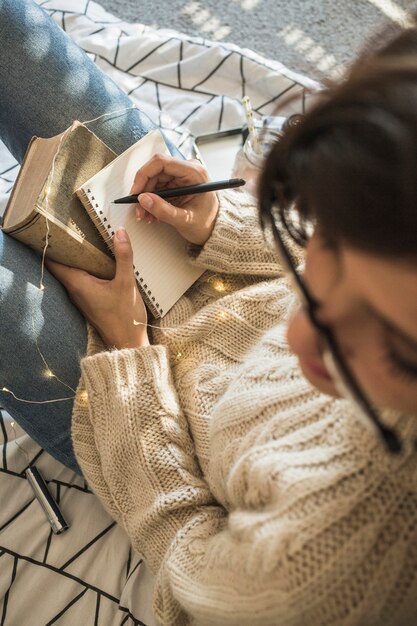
(351, 165)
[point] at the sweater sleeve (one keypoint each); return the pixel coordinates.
(133, 444)
(281, 530)
(238, 244)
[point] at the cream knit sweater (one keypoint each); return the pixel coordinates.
(253, 498)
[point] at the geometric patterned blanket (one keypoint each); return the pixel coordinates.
(187, 85)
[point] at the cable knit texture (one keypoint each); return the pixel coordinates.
(254, 499)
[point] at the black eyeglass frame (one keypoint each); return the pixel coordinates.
(332, 355)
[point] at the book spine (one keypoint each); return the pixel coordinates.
(38, 231)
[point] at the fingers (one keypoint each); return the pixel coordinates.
(124, 258)
(163, 169)
(70, 277)
(164, 211)
(77, 281)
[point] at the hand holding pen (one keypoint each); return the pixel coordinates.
(230, 183)
(193, 214)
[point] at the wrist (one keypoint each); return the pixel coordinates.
(133, 340)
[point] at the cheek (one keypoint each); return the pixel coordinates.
(368, 363)
(382, 387)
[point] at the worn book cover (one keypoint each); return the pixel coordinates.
(43, 205)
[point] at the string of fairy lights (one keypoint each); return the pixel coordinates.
(32, 474)
(216, 283)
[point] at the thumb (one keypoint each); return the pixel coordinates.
(123, 253)
(164, 211)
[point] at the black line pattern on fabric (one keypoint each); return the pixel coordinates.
(9, 169)
(65, 609)
(128, 563)
(48, 545)
(219, 125)
(5, 439)
(196, 41)
(145, 80)
(11, 473)
(158, 103)
(134, 569)
(86, 547)
(137, 622)
(97, 613)
(35, 458)
(84, 489)
(213, 71)
(57, 570)
(88, 17)
(129, 69)
(197, 108)
(86, 588)
(162, 83)
(17, 514)
(6, 595)
(275, 98)
(95, 32)
(117, 48)
(21, 475)
(199, 91)
(181, 56)
(242, 76)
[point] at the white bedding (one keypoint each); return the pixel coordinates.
(89, 575)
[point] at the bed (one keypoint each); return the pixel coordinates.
(188, 86)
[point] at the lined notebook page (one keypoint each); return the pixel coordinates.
(159, 252)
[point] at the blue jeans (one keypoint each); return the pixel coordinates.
(46, 82)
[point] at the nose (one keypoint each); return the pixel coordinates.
(302, 337)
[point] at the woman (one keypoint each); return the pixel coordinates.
(252, 489)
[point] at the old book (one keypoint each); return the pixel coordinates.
(43, 203)
(160, 258)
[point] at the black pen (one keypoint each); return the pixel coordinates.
(185, 191)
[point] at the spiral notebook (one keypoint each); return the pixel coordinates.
(160, 258)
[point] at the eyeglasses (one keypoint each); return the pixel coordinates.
(343, 378)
